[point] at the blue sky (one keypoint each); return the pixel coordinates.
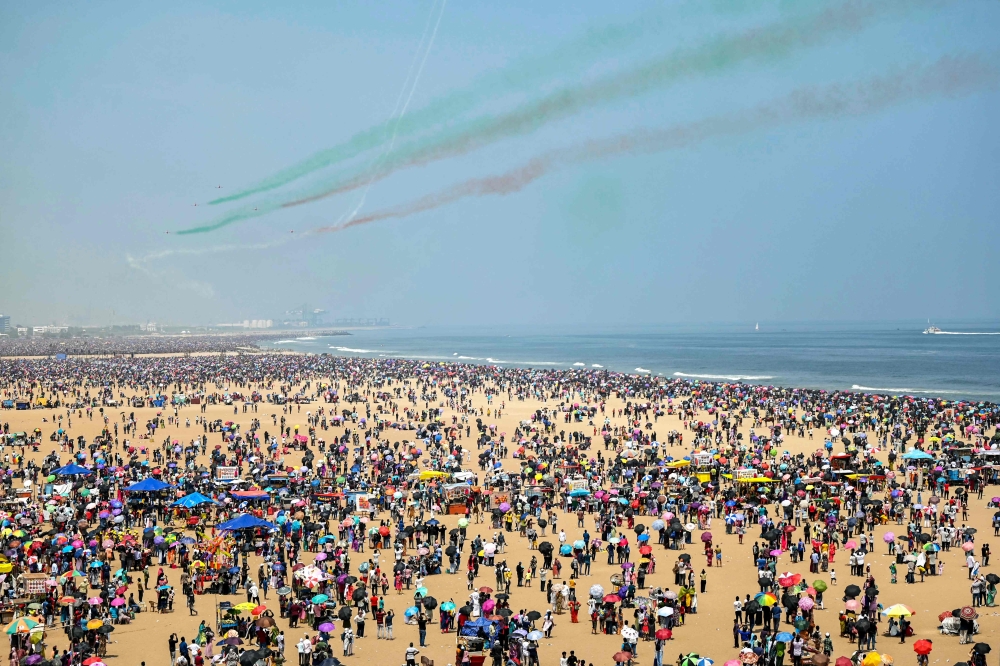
(119, 117)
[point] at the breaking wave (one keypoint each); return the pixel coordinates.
(732, 378)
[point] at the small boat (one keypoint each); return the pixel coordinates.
(757, 327)
(930, 330)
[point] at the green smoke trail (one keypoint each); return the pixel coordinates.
(764, 44)
(568, 59)
(948, 77)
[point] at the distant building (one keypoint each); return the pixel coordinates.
(4, 323)
(50, 330)
(249, 324)
(149, 327)
(22, 331)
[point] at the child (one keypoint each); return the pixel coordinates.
(833, 576)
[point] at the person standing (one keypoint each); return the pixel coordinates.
(172, 647)
(422, 626)
(359, 620)
(304, 647)
(411, 655)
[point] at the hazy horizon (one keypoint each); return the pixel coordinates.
(519, 164)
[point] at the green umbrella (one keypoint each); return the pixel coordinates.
(690, 659)
(820, 586)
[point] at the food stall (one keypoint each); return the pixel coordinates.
(476, 638)
(456, 496)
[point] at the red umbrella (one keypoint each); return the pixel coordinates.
(843, 661)
(664, 634)
(622, 657)
(611, 598)
(924, 645)
(486, 589)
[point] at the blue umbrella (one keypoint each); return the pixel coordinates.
(411, 611)
(783, 637)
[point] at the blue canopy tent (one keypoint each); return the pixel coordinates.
(245, 521)
(917, 454)
(71, 470)
(193, 500)
(480, 627)
(148, 486)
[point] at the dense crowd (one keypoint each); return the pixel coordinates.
(359, 516)
(117, 345)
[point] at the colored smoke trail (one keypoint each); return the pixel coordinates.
(947, 77)
(717, 55)
(568, 59)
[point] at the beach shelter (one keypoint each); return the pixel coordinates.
(193, 500)
(148, 486)
(917, 454)
(245, 522)
(71, 470)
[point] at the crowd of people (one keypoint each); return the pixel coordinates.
(335, 516)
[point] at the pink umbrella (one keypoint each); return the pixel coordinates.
(805, 603)
(888, 537)
(851, 545)
(320, 557)
(95, 601)
(852, 605)
(489, 605)
(118, 601)
(968, 546)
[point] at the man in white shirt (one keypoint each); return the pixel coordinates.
(304, 647)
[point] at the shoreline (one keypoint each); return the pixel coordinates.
(662, 384)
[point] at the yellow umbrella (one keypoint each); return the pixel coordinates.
(872, 659)
(95, 624)
(899, 610)
(245, 606)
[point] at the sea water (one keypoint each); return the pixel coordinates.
(886, 358)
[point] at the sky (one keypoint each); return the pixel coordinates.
(577, 163)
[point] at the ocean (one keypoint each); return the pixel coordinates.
(962, 363)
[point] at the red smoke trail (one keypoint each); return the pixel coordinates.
(947, 77)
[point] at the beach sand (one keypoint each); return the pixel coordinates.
(708, 633)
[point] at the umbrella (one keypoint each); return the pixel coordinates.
(923, 646)
(982, 648)
(535, 636)
(898, 610)
(664, 634)
(622, 657)
(872, 659)
(968, 613)
(327, 627)
(820, 586)
(429, 603)
(344, 613)
(852, 591)
(534, 615)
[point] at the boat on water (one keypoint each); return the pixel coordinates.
(930, 330)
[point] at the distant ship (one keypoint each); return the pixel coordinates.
(931, 330)
(757, 327)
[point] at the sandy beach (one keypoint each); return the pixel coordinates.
(707, 632)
